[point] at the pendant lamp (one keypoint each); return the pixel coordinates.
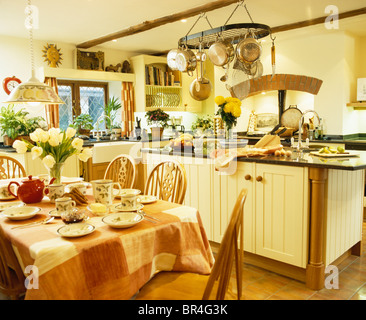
(33, 90)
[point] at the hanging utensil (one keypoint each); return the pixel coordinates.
(248, 50)
(221, 53)
(200, 88)
(273, 56)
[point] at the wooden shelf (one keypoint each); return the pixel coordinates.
(357, 105)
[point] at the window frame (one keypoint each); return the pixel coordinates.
(75, 92)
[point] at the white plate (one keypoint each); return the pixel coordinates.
(21, 213)
(146, 199)
(11, 204)
(123, 219)
(76, 230)
(118, 207)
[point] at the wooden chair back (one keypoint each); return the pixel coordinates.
(167, 181)
(11, 275)
(228, 252)
(11, 168)
(122, 169)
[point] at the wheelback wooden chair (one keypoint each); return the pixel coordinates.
(167, 181)
(122, 169)
(191, 286)
(10, 168)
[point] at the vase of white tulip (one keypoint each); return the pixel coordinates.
(53, 147)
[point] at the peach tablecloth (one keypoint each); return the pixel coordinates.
(110, 263)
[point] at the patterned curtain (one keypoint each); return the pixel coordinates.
(128, 108)
(52, 111)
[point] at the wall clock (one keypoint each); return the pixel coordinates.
(10, 83)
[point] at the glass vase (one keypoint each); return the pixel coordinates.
(55, 172)
(228, 132)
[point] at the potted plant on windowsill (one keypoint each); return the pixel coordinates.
(83, 123)
(110, 110)
(17, 125)
(158, 119)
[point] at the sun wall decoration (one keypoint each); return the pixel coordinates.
(52, 55)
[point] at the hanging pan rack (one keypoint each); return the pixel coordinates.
(232, 32)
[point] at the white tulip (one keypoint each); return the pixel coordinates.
(77, 143)
(70, 132)
(20, 146)
(54, 141)
(36, 152)
(43, 135)
(49, 161)
(85, 154)
(34, 136)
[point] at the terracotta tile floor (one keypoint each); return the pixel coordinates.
(260, 284)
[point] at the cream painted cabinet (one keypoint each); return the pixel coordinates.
(226, 191)
(281, 206)
(275, 211)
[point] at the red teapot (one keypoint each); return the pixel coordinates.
(30, 191)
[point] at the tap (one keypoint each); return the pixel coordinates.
(103, 116)
(299, 144)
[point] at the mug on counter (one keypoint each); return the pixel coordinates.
(103, 191)
(54, 191)
(129, 198)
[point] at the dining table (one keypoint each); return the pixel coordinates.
(108, 263)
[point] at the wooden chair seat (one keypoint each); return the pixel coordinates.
(191, 286)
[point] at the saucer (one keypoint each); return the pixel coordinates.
(123, 219)
(76, 230)
(146, 199)
(118, 207)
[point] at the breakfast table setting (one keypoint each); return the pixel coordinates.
(79, 240)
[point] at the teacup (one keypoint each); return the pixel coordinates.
(129, 198)
(54, 191)
(103, 191)
(64, 205)
(4, 192)
(80, 186)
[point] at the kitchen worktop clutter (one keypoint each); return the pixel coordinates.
(240, 63)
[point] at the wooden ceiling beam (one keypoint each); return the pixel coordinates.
(312, 22)
(148, 25)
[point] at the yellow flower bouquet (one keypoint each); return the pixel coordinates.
(53, 147)
(229, 110)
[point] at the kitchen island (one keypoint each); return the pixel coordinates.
(303, 213)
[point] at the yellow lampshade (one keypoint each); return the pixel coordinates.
(34, 91)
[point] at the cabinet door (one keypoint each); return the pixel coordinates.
(199, 190)
(281, 213)
(225, 193)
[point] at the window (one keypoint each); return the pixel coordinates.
(81, 97)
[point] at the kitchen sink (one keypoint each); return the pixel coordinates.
(106, 151)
